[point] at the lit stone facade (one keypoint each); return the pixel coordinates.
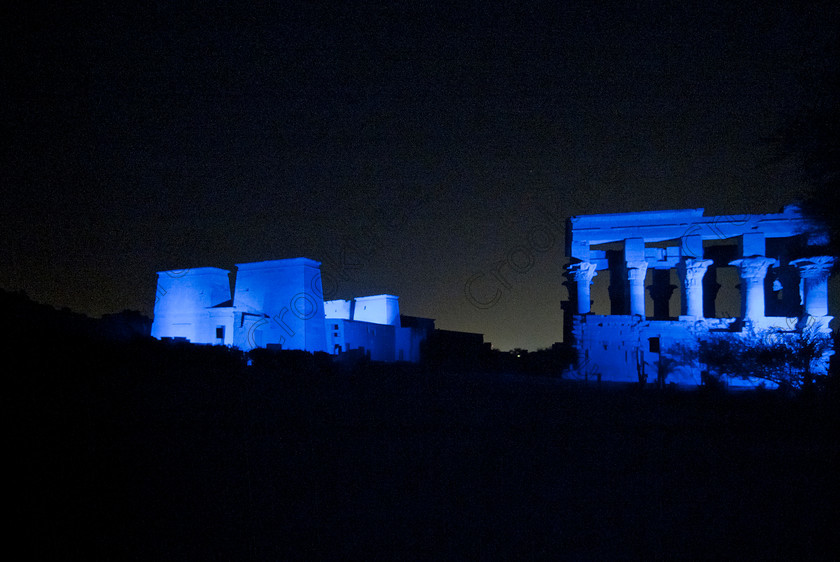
(279, 304)
(629, 340)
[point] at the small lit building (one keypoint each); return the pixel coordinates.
(372, 324)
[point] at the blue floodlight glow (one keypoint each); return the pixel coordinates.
(279, 304)
(632, 346)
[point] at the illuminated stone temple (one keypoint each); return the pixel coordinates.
(667, 272)
(279, 304)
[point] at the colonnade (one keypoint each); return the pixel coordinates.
(813, 272)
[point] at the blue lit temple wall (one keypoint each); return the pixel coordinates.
(279, 304)
(191, 304)
(778, 289)
(379, 309)
(339, 309)
(377, 341)
(371, 324)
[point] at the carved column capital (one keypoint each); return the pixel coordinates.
(753, 268)
(752, 271)
(692, 271)
(814, 273)
(818, 267)
(636, 270)
(582, 272)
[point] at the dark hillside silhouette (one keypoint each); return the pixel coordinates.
(142, 449)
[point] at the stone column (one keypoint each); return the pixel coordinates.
(814, 273)
(691, 273)
(636, 271)
(752, 271)
(583, 273)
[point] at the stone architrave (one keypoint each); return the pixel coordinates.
(636, 271)
(752, 271)
(814, 273)
(691, 273)
(583, 273)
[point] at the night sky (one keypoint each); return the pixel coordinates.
(408, 149)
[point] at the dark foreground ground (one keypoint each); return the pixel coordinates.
(154, 453)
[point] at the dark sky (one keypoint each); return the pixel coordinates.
(407, 148)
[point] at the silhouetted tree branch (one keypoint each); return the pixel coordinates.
(791, 360)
